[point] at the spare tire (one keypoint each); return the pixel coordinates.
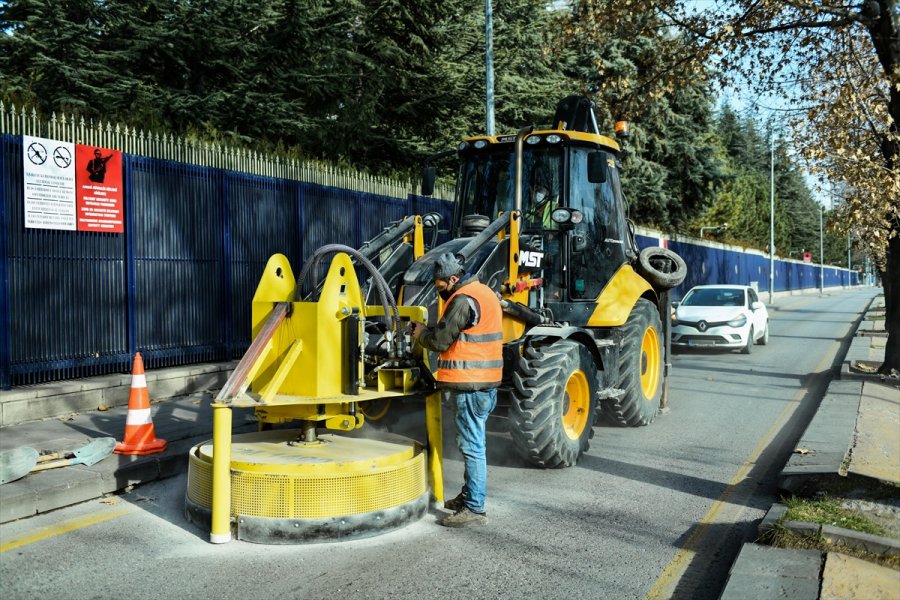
(474, 224)
(661, 267)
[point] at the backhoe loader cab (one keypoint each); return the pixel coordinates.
(580, 250)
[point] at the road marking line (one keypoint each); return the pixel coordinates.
(670, 576)
(63, 527)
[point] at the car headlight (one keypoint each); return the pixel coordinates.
(738, 321)
(674, 319)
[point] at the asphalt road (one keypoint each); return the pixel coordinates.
(652, 512)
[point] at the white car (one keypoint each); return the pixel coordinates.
(721, 316)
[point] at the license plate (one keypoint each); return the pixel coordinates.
(700, 342)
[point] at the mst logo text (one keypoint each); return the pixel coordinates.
(528, 258)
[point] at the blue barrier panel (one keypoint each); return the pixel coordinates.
(261, 221)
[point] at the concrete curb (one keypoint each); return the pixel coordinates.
(26, 404)
(823, 447)
(831, 534)
(765, 572)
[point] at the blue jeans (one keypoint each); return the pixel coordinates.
(472, 410)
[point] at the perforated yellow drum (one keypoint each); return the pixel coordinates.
(339, 486)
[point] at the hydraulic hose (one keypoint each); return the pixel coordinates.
(387, 298)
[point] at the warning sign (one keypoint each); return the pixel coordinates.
(49, 179)
(99, 189)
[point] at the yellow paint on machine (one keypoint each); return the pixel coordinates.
(63, 527)
(334, 477)
(615, 302)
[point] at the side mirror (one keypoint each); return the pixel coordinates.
(428, 176)
(597, 167)
(757, 305)
(675, 304)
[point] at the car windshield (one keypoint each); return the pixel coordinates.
(714, 297)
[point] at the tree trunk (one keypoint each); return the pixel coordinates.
(890, 279)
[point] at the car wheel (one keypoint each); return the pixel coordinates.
(749, 347)
(764, 339)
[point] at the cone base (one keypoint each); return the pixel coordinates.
(157, 445)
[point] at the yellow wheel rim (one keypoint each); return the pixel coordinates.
(576, 403)
(650, 363)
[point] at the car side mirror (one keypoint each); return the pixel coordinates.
(757, 305)
(675, 304)
(428, 176)
(597, 167)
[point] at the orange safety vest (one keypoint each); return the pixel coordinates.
(477, 355)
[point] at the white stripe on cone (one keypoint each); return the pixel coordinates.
(138, 381)
(140, 416)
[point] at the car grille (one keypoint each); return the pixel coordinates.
(708, 323)
(703, 339)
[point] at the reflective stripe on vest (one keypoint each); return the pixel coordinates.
(477, 355)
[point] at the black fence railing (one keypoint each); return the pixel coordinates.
(178, 283)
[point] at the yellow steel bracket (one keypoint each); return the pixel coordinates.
(418, 239)
(513, 247)
(434, 430)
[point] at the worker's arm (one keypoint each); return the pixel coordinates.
(446, 331)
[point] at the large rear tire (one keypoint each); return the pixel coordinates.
(640, 369)
(553, 404)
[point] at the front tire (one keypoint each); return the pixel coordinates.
(764, 340)
(640, 369)
(749, 347)
(552, 404)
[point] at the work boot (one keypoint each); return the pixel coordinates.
(464, 518)
(455, 504)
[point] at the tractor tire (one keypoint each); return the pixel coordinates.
(640, 370)
(661, 267)
(553, 404)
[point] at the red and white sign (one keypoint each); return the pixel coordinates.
(98, 188)
(807, 257)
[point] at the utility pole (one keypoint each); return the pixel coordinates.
(489, 66)
(771, 214)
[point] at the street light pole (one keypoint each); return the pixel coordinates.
(489, 66)
(821, 252)
(771, 215)
(849, 265)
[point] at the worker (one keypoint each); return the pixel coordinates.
(469, 337)
(544, 203)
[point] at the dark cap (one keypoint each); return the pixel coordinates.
(447, 265)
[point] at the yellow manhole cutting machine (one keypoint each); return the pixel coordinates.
(540, 218)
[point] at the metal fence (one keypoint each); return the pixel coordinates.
(712, 263)
(177, 285)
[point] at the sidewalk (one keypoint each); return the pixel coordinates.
(182, 420)
(854, 439)
(854, 436)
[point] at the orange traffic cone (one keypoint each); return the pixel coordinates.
(139, 435)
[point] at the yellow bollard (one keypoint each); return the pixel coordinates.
(220, 529)
(435, 446)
